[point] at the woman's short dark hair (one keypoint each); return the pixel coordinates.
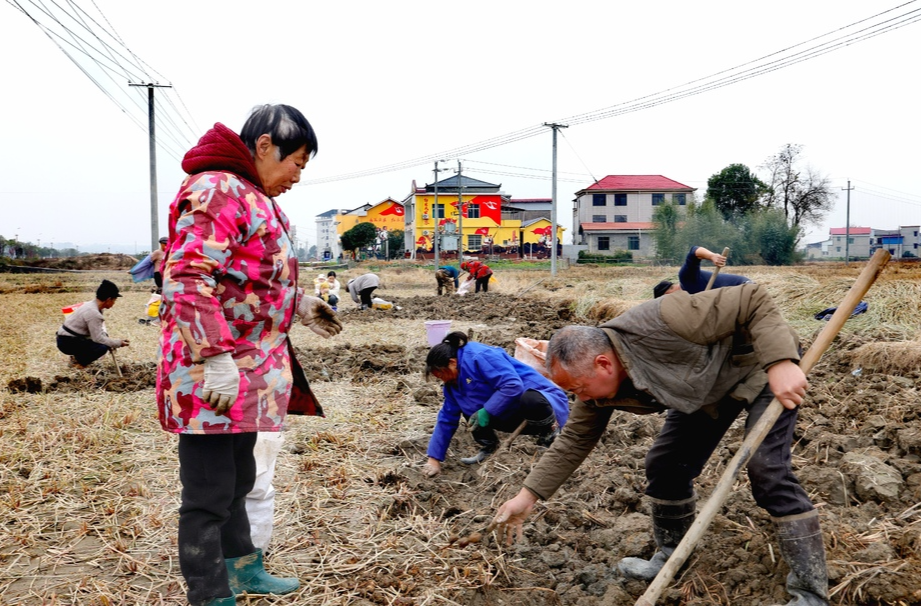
(331, 274)
(287, 126)
(440, 356)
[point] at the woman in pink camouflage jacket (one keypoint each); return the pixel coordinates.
(226, 369)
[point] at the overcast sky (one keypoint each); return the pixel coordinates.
(387, 82)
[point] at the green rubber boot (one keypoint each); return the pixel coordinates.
(247, 573)
(223, 601)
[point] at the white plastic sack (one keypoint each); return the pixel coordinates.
(464, 288)
(532, 352)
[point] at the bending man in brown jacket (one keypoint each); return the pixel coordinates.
(704, 358)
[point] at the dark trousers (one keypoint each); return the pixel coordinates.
(531, 406)
(217, 472)
(364, 295)
(483, 283)
(687, 440)
(85, 351)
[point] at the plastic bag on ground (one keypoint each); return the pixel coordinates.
(378, 303)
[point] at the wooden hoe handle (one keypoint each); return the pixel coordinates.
(716, 270)
(759, 432)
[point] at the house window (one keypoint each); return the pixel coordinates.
(438, 210)
(620, 199)
(599, 200)
(599, 218)
(837, 249)
(680, 199)
(850, 240)
(473, 211)
(620, 218)
(474, 242)
(633, 242)
(604, 243)
(658, 199)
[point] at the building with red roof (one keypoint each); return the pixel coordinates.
(615, 213)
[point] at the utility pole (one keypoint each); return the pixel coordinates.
(460, 213)
(555, 128)
(435, 236)
(154, 219)
(847, 225)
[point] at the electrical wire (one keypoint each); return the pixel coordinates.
(707, 83)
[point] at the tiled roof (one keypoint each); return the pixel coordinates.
(635, 226)
(637, 183)
(854, 231)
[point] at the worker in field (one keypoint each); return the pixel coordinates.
(493, 392)
(83, 335)
(703, 359)
(694, 280)
(360, 289)
(479, 272)
(149, 266)
(227, 375)
(445, 275)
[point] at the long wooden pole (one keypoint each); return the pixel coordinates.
(759, 432)
(716, 270)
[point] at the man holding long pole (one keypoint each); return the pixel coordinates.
(704, 359)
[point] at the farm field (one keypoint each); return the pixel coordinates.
(89, 487)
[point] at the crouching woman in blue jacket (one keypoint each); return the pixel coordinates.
(493, 392)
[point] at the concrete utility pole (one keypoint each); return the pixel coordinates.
(847, 225)
(154, 219)
(555, 128)
(435, 236)
(460, 213)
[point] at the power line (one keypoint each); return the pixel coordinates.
(691, 88)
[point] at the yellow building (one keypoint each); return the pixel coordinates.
(387, 215)
(482, 214)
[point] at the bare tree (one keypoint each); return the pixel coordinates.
(803, 194)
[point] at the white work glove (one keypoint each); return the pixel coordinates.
(318, 316)
(222, 382)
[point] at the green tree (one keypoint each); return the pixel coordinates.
(772, 237)
(359, 237)
(396, 246)
(665, 218)
(735, 190)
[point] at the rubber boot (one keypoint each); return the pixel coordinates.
(670, 521)
(803, 548)
(487, 448)
(546, 430)
(247, 573)
(222, 601)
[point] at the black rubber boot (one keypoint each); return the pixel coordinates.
(670, 521)
(803, 549)
(485, 450)
(546, 430)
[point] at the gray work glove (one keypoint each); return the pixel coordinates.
(222, 382)
(318, 316)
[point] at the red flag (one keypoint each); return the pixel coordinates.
(395, 209)
(421, 240)
(483, 231)
(542, 231)
(443, 221)
(490, 207)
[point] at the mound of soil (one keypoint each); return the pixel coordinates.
(88, 262)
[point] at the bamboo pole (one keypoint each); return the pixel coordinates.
(716, 270)
(759, 432)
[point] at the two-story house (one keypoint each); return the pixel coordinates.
(615, 213)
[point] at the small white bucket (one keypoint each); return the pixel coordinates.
(437, 330)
